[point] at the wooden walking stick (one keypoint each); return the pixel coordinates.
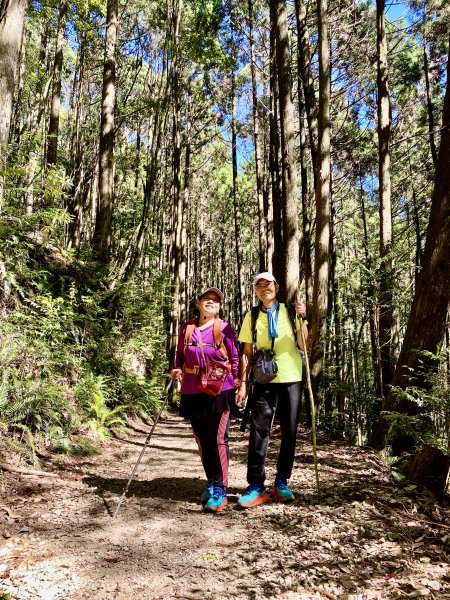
(313, 408)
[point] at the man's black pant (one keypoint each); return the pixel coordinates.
(284, 399)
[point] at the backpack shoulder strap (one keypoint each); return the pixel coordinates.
(254, 317)
(191, 325)
(218, 338)
(292, 313)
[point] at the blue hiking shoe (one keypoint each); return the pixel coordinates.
(208, 492)
(281, 491)
(218, 501)
(254, 495)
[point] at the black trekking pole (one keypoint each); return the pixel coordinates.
(164, 404)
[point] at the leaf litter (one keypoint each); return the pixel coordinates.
(368, 537)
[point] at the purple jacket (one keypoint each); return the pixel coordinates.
(193, 356)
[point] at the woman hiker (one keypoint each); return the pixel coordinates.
(208, 340)
(273, 330)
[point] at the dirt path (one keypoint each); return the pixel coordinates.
(367, 538)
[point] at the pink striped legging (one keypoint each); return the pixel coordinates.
(211, 435)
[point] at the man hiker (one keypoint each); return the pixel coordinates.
(274, 331)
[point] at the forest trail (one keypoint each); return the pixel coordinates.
(367, 538)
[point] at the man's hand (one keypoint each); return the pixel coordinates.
(300, 308)
(241, 394)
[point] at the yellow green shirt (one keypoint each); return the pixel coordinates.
(287, 353)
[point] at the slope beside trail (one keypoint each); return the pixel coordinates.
(366, 538)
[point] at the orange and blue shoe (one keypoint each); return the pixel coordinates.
(208, 492)
(281, 491)
(218, 501)
(254, 495)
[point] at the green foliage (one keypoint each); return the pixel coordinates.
(401, 426)
(93, 395)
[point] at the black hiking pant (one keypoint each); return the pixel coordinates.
(284, 400)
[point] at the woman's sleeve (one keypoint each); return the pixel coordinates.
(179, 352)
(230, 342)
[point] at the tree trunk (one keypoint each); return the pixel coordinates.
(429, 107)
(259, 192)
(428, 317)
(103, 224)
(305, 190)
(304, 69)
(78, 193)
(53, 126)
(12, 21)
(274, 151)
(178, 252)
(290, 255)
(236, 208)
(384, 170)
(323, 192)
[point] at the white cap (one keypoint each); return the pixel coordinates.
(265, 275)
(212, 289)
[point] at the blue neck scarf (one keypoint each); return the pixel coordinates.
(272, 318)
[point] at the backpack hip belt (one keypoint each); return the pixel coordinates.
(196, 369)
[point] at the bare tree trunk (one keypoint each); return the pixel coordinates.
(376, 365)
(53, 126)
(305, 253)
(103, 224)
(429, 311)
(178, 252)
(290, 255)
(236, 208)
(12, 21)
(274, 151)
(259, 192)
(304, 69)
(384, 166)
(323, 192)
(78, 194)
(429, 106)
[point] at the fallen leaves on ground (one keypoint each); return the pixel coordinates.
(367, 537)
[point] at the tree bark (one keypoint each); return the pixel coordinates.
(274, 150)
(178, 251)
(428, 317)
(53, 126)
(259, 192)
(386, 281)
(236, 207)
(304, 69)
(12, 21)
(429, 107)
(290, 255)
(103, 224)
(323, 192)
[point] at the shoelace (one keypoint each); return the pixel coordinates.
(219, 493)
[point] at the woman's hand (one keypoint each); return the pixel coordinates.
(300, 309)
(176, 373)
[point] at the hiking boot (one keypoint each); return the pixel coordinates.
(281, 490)
(254, 495)
(218, 501)
(208, 492)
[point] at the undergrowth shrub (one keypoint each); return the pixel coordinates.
(75, 358)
